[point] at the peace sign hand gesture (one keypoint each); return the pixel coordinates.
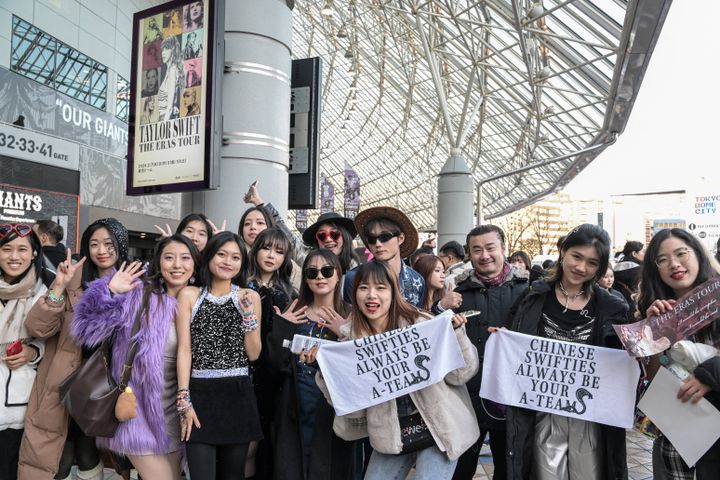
(126, 278)
(65, 272)
(333, 320)
(216, 230)
(164, 232)
(292, 315)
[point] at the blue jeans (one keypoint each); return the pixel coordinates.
(430, 464)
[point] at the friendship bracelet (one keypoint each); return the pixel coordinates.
(250, 325)
(54, 299)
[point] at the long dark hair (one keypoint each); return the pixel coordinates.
(195, 217)
(37, 259)
(212, 248)
(268, 220)
(378, 272)
(90, 270)
(584, 235)
(347, 255)
(268, 238)
(306, 296)
(153, 282)
(425, 266)
(651, 286)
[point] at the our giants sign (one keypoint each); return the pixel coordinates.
(573, 380)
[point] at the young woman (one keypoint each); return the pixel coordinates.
(379, 307)
(305, 446)
(196, 226)
(269, 270)
(112, 304)
(53, 442)
(193, 18)
(331, 231)
(20, 287)
(569, 306)
(218, 333)
(521, 260)
(432, 270)
(677, 263)
(252, 222)
(173, 79)
(607, 280)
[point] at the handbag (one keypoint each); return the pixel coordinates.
(90, 393)
(414, 433)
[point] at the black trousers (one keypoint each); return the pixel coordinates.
(9, 453)
(468, 461)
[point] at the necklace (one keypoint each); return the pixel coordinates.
(568, 296)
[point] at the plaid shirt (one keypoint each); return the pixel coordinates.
(675, 466)
(412, 285)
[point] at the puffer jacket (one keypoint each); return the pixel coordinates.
(46, 423)
(445, 407)
(494, 304)
(521, 422)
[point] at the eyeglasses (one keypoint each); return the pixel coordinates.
(311, 273)
(681, 255)
(384, 237)
(323, 235)
(22, 229)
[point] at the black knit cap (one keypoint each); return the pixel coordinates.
(117, 230)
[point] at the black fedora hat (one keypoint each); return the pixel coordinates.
(336, 219)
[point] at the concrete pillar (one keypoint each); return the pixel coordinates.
(455, 200)
(256, 109)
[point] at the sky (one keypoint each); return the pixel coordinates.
(672, 138)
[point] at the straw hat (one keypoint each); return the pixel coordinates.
(395, 216)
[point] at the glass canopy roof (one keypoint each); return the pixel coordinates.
(529, 92)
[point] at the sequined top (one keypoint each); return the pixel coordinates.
(569, 325)
(217, 339)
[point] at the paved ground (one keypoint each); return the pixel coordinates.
(639, 449)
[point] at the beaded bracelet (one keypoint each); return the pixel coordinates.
(249, 324)
(54, 299)
(183, 402)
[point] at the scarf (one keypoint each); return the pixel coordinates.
(18, 299)
(498, 279)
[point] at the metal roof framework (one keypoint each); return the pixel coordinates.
(529, 92)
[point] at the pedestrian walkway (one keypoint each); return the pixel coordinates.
(639, 451)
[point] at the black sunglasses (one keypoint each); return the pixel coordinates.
(311, 273)
(383, 237)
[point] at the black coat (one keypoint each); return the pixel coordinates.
(332, 458)
(495, 304)
(521, 421)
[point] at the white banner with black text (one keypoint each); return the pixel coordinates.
(368, 371)
(590, 383)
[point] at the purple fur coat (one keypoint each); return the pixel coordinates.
(95, 318)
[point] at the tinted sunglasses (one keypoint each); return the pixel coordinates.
(323, 235)
(311, 273)
(22, 229)
(383, 237)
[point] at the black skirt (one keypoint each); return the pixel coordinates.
(227, 411)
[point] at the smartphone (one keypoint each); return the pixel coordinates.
(471, 313)
(14, 348)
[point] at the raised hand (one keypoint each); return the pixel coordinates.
(451, 300)
(126, 278)
(333, 320)
(458, 320)
(65, 272)
(252, 196)
(216, 230)
(292, 315)
(164, 232)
